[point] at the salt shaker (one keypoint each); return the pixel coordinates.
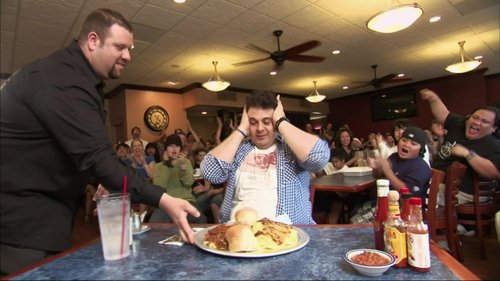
(136, 222)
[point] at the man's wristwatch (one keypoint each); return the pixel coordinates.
(470, 155)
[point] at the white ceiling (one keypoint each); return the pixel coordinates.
(178, 42)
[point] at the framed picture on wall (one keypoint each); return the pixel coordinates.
(392, 105)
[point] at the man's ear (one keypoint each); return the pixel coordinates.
(92, 41)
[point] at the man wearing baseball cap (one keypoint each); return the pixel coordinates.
(406, 167)
(175, 175)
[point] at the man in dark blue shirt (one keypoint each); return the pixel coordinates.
(406, 167)
(53, 139)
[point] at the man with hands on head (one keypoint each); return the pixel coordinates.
(266, 162)
(469, 140)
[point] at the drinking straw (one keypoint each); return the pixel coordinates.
(124, 207)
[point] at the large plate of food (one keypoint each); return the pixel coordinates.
(250, 238)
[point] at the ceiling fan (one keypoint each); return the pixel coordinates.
(291, 54)
(378, 82)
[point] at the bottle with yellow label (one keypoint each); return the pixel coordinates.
(395, 232)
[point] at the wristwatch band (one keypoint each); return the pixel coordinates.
(281, 120)
(470, 155)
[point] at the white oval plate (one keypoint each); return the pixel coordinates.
(303, 239)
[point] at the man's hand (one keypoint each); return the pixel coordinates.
(278, 111)
(244, 122)
(178, 210)
(459, 150)
(428, 95)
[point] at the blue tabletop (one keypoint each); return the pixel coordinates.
(321, 258)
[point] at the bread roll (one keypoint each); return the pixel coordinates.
(240, 238)
(246, 216)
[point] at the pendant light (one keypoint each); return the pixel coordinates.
(463, 65)
(315, 96)
(395, 19)
(215, 83)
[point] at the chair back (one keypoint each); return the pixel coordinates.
(436, 179)
(454, 175)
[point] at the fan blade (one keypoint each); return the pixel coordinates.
(398, 80)
(360, 86)
(250, 61)
(386, 78)
(302, 47)
(258, 49)
(303, 58)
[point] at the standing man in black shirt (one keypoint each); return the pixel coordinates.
(54, 107)
(470, 140)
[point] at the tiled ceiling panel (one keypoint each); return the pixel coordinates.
(179, 41)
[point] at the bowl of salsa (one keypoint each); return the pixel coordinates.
(370, 262)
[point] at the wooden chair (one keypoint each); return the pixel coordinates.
(442, 221)
(433, 216)
(453, 180)
(481, 213)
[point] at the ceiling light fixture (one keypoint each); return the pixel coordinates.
(463, 65)
(215, 83)
(435, 19)
(314, 96)
(395, 19)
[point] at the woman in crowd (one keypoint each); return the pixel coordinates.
(152, 150)
(343, 140)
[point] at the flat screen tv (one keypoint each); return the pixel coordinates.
(393, 105)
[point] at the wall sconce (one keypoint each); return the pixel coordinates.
(463, 65)
(395, 19)
(314, 96)
(215, 83)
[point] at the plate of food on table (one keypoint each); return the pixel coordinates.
(250, 237)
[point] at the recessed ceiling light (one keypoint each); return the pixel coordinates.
(478, 57)
(172, 82)
(435, 19)
(401, 74)
(273, 72)
(203, 112)
(345, 87)
(383, 96)
(336, 52)
(179, 1)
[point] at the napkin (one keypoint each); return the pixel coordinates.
(176, 239)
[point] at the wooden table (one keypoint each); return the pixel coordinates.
(340, 183)
(321, 258)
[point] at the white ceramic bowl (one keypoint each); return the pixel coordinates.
(369, 270)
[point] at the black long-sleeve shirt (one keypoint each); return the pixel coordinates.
(53, 138)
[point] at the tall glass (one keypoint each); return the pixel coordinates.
(113, 211)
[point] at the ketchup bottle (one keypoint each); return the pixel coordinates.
(395, 232)
(405, 203)
(417, 238)
(381, 213)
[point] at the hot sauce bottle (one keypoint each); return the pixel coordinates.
(395, 232)
(417, 238)
(405, 203)
(381, 213)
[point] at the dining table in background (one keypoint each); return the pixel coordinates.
(321, 258)
(338, 182)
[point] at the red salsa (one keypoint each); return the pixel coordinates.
(370, 258)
